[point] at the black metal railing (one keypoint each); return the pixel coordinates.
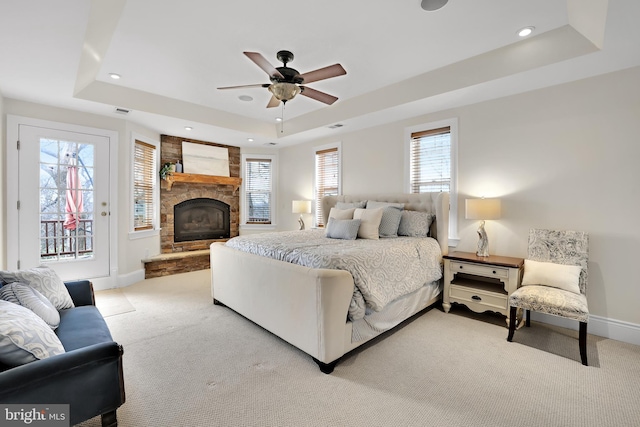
(55, 240)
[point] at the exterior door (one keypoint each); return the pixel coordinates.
(63, 216)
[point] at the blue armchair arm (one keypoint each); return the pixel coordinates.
(81, 292)
(89, 378)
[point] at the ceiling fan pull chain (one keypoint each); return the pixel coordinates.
(282, 122)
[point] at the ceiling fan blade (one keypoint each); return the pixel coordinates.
(318, 96)
(273, 102)
(261, 62)
(243, 86)
(334, 70)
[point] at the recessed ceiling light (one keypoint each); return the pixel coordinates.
(278, 119)
(188, 128)
(250, 139)
(526, 31)
(431, 5)
(245, 98)
(114, 76)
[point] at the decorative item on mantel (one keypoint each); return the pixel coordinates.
(301, 207)
(167, 169)
(482, 209)
(205, 159)
(178, 167)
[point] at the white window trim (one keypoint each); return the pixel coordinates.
(274, 186)
(337, 145)
(454, 238)
(133, 234)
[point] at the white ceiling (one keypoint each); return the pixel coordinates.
(401, 61)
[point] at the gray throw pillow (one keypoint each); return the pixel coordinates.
(44, 280)
(390, 217)
(24, 337)
(415, 224)
(26, 296)
(346, 229)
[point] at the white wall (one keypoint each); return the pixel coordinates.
(564, 157)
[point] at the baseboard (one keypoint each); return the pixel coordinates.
(130, 278)
(117, 281)
(601, 326)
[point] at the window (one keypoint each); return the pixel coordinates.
(258, 197)
(144, 185)
(431, 160)
(327, 180)
(432, 163)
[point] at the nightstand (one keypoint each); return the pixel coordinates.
(480, 283)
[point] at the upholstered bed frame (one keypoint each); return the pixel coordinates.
(304, 306)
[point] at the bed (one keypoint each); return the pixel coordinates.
(312, 308)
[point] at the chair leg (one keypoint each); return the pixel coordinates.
(109, 419)
(513, 313)
(527, 322)
(582, 338)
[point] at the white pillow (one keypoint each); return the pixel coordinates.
(44, 280)
(26, 296)
(341, 213)
(369, 222)
(24, 337)
(559, 276)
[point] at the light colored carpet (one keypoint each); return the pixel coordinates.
(190, 363)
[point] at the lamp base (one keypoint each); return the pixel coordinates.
(301, 222)
(483, 241)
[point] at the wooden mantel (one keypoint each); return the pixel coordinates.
(194, 178)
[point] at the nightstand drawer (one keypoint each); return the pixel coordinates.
(480, 270)
(478, 296)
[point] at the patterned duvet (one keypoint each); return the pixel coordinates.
(383, 270)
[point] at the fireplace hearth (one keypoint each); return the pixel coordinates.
(201, 219)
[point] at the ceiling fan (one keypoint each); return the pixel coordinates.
(286, 82)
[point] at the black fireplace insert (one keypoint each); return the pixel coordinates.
(201, 219)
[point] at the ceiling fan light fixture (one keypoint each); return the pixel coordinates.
(284, 91)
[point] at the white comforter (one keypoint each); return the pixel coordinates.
(383, 270)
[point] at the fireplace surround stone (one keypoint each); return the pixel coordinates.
(171, 151)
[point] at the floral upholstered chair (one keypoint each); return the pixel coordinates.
(555, 280)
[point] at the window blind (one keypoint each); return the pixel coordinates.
(144, 181)
(431, 160)
(327, 178)
(258, 191)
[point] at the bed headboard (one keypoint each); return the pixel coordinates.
(436, 203)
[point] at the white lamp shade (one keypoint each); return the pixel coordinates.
(301, 206)
(482, 209)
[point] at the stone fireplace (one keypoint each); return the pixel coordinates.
(193, 214)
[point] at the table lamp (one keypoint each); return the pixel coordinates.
(482, 209)
(301, 207)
